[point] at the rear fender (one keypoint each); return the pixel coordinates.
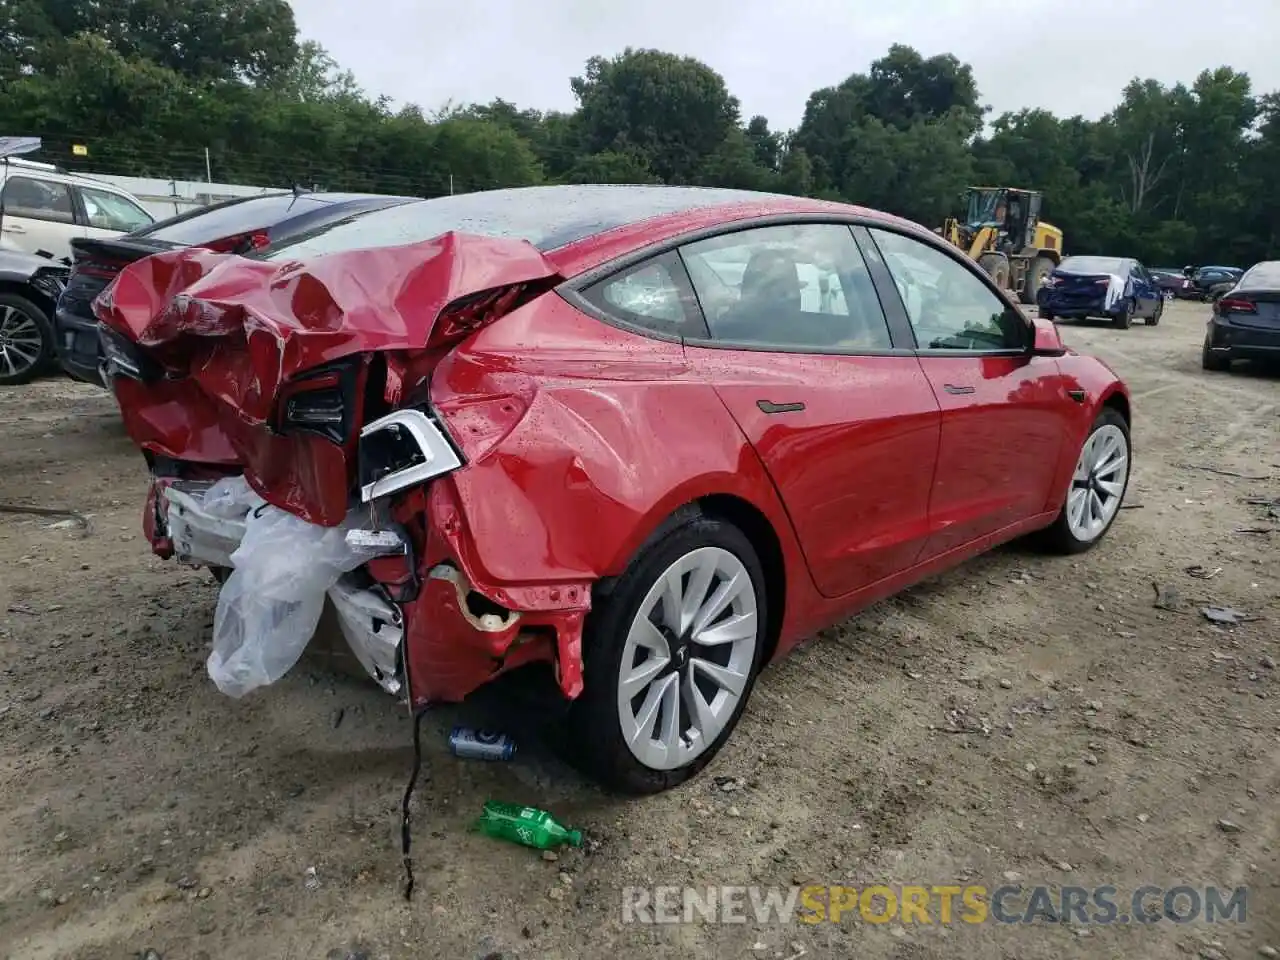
(568, 448)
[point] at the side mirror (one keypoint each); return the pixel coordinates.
(1046, 341)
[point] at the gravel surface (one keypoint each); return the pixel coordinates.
(1021, 718)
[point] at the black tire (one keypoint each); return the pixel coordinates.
(997, 268)
(1124, 319)
(1059, 538)
(1213, 361)
(1040, 267)
(1046, 314)
(18, 374)
(595, 740)
(1154, 319)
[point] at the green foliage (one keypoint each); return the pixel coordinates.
(1188, 173)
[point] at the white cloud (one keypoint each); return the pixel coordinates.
(1070, 57)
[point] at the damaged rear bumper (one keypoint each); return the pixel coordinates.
(411, 616)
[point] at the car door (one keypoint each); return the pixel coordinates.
(1146, 289)
(1005, 413)
(799, 350)
(38, 216)
(108, 214)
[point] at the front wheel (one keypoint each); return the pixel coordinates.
(1154, 319)
(1097, 488)
(670, 653)
(26, 340)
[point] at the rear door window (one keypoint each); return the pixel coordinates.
(38, 199)
(802, 287)
(111, 211)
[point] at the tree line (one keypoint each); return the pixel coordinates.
(1172, 175)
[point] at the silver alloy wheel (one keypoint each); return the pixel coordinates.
(20, 341)
(1098, 483)
(688, 658)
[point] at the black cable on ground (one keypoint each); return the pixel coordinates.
(405, 838)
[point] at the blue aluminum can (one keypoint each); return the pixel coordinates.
(481, 744)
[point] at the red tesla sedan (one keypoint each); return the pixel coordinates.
(653, 436)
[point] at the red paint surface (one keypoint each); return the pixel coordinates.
(854, 467)
(580, 439)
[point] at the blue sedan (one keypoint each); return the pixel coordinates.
(1116, 288)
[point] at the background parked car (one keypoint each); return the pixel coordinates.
(29, 287)
(43, 209)
(1081, 287)
(1245, 324)
(234, 226)
(1211, 282)
(1175, 284)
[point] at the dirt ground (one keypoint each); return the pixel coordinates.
(1021, 719)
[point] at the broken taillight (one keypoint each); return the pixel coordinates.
(240, 242)
(402, 450)
(466, 315)
(323, 401)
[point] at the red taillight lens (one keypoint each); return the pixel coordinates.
(1236, 305)
(464, 317)
(102, 269)
(1103, 281)
(240, 242)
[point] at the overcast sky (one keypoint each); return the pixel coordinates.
(1070, 56)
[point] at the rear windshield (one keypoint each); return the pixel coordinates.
(1093, 265)
(228, 219)
(547, 217)
(1265, 276)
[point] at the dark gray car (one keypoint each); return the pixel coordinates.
(29, 288)
(1245, 323)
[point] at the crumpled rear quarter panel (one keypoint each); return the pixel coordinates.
(232, 331)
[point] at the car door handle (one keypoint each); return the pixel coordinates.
(957, 390)
(14, 228)
(768, 406)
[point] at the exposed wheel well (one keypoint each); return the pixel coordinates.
(1120, 404)
(764, 539)
(27, 292)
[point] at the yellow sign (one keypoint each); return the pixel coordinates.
(80, 150)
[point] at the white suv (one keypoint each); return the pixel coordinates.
(42, 209)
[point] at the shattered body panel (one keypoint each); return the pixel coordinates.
(235, 333)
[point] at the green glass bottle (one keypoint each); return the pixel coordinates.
(528, 826)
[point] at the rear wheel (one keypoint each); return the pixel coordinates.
(1046, 314)
(670, 654)
(1097, 488)
(1039, 269)
(26, 340)
(1124, 318)
(1213, 361)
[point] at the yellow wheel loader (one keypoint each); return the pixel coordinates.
(1003, 231)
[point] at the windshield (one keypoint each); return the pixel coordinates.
(982, 207)
(1093, 265)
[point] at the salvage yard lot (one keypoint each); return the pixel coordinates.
(1022, 719)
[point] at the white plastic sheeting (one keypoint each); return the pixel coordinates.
(271, 603)
(1115, 292)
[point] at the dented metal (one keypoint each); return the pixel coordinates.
(374, 629)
